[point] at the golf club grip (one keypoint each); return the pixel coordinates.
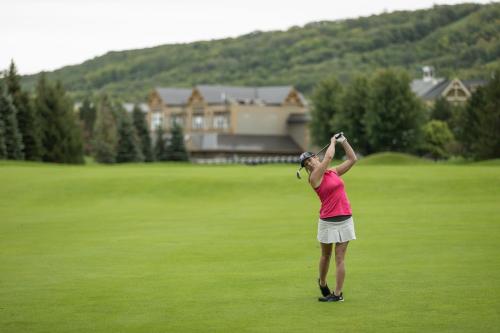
(336, 137)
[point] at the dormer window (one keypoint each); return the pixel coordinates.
(198, 122)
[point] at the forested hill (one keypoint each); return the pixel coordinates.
(461, 40)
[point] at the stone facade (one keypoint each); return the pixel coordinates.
(226, 120)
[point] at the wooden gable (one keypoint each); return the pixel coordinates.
(155, 101)
(293, 98)
(456, 91)
(196, 98)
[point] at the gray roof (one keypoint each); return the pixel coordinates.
(422, 87)
(218, 94)
(474, 83)
(129, 107)
(273, 95)
(221, 94)
(437, 90)
(174, 96)
(243, 143)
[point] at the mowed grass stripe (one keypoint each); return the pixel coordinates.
(186, 248)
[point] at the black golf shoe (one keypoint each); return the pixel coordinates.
(332, 298)
(325, 291)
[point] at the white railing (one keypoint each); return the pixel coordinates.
(250, 160)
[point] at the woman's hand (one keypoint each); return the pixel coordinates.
(333, 141)
(340, 137)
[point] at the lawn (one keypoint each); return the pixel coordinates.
(186, 248)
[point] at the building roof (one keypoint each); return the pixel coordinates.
(219, 94)
(273, 95)
(436, 90)
(243, 143)
(174, 96)
(421, 87)
(472, 84)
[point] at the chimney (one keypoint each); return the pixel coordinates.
(428, 73)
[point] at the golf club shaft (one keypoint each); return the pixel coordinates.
(336, 137)
(328, 145)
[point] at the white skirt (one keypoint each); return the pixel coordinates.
(336, 232)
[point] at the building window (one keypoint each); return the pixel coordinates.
(156, 120)
(198, 122)
(177, 119)
(221, 121)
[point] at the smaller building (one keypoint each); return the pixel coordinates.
(455, 91)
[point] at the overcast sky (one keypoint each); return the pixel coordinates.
(48, 34)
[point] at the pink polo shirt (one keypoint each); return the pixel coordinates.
(332, 194)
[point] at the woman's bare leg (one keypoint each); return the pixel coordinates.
(324, 262)
(340, 250)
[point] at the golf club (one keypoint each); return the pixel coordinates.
(336, 137)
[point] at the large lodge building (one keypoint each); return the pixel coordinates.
(234, 122)
(261, 122)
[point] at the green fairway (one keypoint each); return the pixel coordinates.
(186, 248)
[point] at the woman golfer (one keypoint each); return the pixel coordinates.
(335, 225)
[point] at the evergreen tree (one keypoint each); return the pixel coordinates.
(105, 132)
(12, 136)
(129, 146)
(27, 119)
(3, 150)
(176, 150)
(160, 147)
(442, 110)
(350, 119)
(395, 117)
(60, 133)
(141, 128)
(326, 104)
(487, 143)
(87, 115)
(468, 129)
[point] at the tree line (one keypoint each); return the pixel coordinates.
(112, 135)
(46, 127)
(381, 113)
(39, 128)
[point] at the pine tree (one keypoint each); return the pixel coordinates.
(12, 136)
(105, 132)
(326, 104)
(176, 150)
(395, 116)
(87, 114)
(141, 128)
(27, 119)
(487, 144)
(442, 110)
(129, 146)
(60, 133)
(3, 150)
(160, 148)
(72, 131)
(350, 117)
(468, 129)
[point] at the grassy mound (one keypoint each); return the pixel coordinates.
(389, 158)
